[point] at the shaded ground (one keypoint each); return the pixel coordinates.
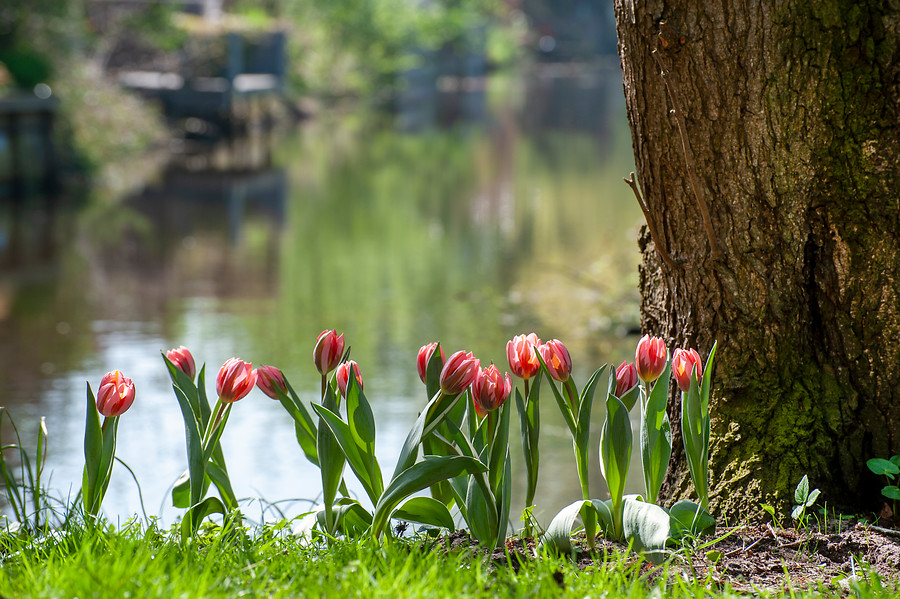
(756, 558)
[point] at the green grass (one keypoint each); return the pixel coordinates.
(137, 561)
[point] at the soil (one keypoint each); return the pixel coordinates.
(754, 558)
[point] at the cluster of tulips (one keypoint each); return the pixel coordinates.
(462, 431)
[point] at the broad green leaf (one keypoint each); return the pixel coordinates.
(615, 453)
(184, 382)
(587, 394)
(891, 492)
(196, 464)
(350, 517)
(499, 450)
(93, 452)
(220, 478)
(706, 384)
(359, 416)
(884, 467)
(504, 498)
(181, 491)
(213, 437)
(202, 400)
(417, 477)
(364, 466)
(688, 517)
(331, 460)
(630, 397)
(107, 459)
(304, 427)
(802, 490)
(197, 513)
(565, 408)
(558, 535)
(647, 527)
(895, 460)
(433, 414)
(481, 513)
(425, 510)
(656, 436)
(695, 434)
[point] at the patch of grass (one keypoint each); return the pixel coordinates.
(141, 561)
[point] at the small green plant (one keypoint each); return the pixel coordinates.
(889, 469)
(19, 489)
(803, 498)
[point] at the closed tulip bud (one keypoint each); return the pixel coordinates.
(650, 357)
(556, 357)
(270, 381)
(425, 353)
(235, 380)
(522, 355)
(115, 395)
(343, 376)
(685, 364)
(328, 351)
(458, 373)
(181, 358)
(490, 389)
(626, 378)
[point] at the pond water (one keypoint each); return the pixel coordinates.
(486, 213)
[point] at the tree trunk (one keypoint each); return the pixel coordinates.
(775, 230)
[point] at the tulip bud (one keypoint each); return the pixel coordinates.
(270, 380)
(556, 357)
(626, 378)
(490, 389)
(458, 373)
(425, 353)
(328, 351)
(181, 358)
(522, 355)
(115, 395)
(650, 357)
(343, 376)
(685, 364)
(235, 380)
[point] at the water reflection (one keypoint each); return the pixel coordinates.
(513, 221)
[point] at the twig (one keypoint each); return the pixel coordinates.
(742, 549)
(885, 531)
(689, 158)
(651, 223)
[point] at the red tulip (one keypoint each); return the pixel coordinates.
(182, 359)
(425, 353)
(685, 364)
(556, 357)
(626, 378)
(343, 376)
(650, 357)
(458, 373)
(490, 389)
(328, 351)
(522, 355)
(115, 395)
(235, 380)
(270, 381)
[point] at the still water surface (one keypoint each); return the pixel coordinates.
(468, 220)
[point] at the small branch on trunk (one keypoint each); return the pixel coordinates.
(651, 223)
(689, 158)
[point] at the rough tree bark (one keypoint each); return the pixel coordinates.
(774, 231)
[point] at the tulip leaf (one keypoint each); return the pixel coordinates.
(181, 491)
(197, 513)
(304, 427)
(331, 459)
(364, 466)
(481, 513)
(565, 408)
(499, 450)
(417, 477)
(93, 452)
(425, 510)
(196, 464)
(656, 436)
(219, 477)
(587, 393)
(615, 454)
(202, 400)
(359, 415)
(213, 437)
(186, 384)
(647, 527)
(689, 518)
(107, 458)
(433, 414)
(504, 498)
(350, 517)
(558, 536)
(695, 434)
